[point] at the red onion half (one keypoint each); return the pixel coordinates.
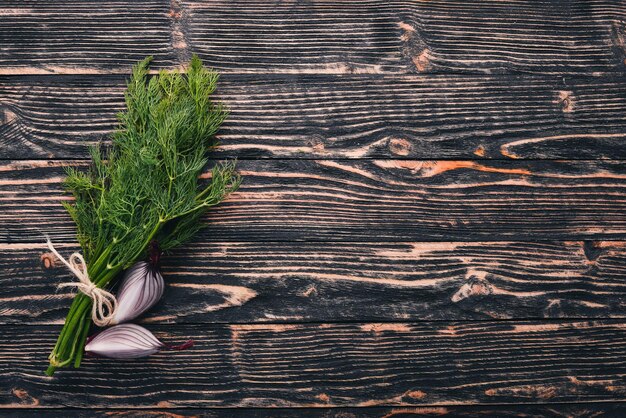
(127, 341)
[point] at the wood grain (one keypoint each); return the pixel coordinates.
(322, 117)
(408, 36)
(323, 365)
(577, 410)
(327, 282)
(381, 258)
(368, 201)
(329, 37)
(83, 37)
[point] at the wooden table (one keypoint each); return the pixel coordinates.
(432, 220)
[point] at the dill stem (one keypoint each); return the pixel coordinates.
(82, 337)
(144, 180)
(152, 234)
(71, 341)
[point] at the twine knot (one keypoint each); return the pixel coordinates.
(104, 303)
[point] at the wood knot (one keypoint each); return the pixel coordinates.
(174, 14)
(592, 250)
(480, 151)
(476, 285)
(565, 98)
(408, 31)
(415, 394)
(323, 397)
(422, 61)
(25, 398)
(178, 40)
(49, 260)
(309, 291)
(6, 115)
(399, 146)
(317, 145)
(414, 48)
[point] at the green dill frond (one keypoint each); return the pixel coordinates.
(145, 185)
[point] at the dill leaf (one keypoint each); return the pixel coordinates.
(145, 185)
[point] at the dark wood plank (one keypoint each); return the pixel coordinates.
(327, 37)
(325, 365)
(337, 37)
(347, 37)
(378, 200)
(83, 37)
(326, 282)
(527, 36)
(579, 410)
(344, 116)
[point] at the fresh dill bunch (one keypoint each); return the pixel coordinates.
(145, 186)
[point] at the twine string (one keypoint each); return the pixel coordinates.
(104, 303)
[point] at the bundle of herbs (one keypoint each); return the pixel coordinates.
(143, 191)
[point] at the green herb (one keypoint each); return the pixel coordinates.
(145, 186)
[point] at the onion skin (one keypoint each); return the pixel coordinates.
(126, 341)
(140, 289)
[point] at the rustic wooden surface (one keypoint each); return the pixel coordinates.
(432, 222)
(553, 410)
(357, 364)
(326, 281)
(344, 116)
(368, 200)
